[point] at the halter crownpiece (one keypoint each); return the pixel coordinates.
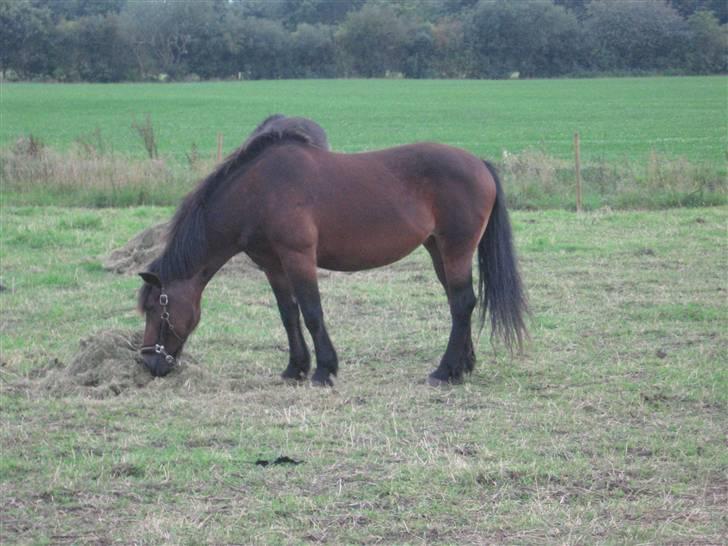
(158, 348)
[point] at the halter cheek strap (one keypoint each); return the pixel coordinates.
(165, 324)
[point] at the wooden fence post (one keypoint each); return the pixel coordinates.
(219, 147)
(577, 161)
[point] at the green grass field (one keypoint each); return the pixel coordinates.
(610, 429)
(619, 119)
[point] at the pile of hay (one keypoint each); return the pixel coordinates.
(138, 252)
(108, 364)
(145, 246)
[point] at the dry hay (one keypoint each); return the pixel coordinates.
(108, 364)
(146, 245)
(138, 252)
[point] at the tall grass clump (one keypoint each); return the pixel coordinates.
(87, 175)
(535, 180)
(91, 174)
(145, 130)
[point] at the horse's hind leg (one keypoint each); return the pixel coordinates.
(456, 264)
(299, 361)
(468, 356)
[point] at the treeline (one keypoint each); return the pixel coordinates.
(133, 40)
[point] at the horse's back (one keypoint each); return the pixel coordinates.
(369, 209)
(455, 185)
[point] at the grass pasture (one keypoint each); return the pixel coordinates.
(619, 119)
(611, 428)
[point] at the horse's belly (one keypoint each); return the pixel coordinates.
(367, 250)
(370, 225)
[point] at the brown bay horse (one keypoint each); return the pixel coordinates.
(292, 206)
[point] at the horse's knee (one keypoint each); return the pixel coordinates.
(313, 319)
(289, 314)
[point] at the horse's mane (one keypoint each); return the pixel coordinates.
(187, 234)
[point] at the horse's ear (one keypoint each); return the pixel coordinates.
(151, 278)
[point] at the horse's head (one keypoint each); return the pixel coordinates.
(172, 312)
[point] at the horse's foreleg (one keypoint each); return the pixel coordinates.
(301, 271)
(299, 361)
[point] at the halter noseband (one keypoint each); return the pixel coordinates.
(158, 348)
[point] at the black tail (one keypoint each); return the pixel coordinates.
(500, 292)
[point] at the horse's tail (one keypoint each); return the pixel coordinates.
(500, 291)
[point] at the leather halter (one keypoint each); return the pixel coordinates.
(165, 324)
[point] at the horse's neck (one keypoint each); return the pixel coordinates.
(213, 264)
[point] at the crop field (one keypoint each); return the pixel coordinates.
(610, 427)
(619, 119)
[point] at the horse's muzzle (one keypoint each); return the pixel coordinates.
(157, 365)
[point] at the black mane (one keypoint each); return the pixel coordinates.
(187, 236)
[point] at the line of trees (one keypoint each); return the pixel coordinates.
(133, 40)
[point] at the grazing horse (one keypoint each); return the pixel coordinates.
(292, 205)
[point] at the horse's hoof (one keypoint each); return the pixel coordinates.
(293, 381)
(433, 381)
(436, 380)
(288, 377)
(321, 382)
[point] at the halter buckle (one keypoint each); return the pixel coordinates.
(163, 299)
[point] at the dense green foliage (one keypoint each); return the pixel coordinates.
(121, 40)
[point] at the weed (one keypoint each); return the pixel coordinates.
(193, 156)
(145, 131)
(92, 144)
